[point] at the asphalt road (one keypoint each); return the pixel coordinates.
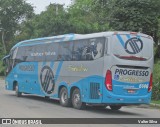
(29, 106)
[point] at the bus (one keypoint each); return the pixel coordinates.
(111, 68)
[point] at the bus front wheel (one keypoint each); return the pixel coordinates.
(76, 100)
(64, 100)
(18, 94)
(113, 107)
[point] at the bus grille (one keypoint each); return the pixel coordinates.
(94, 88)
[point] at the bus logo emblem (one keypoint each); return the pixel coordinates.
(133, 45)
(47, 79)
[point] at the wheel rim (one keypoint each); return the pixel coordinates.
(77, 99)
(64, 97)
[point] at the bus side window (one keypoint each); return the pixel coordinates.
(88, 49)
(19, 55)
(81, 50)
(65, 51)
(99, 51)
(97, 48)
(27, 55)
(51, 52)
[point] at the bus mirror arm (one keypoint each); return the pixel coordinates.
(5, 59)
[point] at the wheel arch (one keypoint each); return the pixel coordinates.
(15, 82)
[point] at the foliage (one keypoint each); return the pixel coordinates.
(156, 81)
(156, 102)
(136, 15)
(51, 22)
(79, 18)
(1, 56)
(88, 16)
(12, 14)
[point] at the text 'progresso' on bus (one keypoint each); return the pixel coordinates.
(99, 69)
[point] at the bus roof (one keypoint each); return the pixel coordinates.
(69, 37)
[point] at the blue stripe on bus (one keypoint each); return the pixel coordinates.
(128, 36)
(58, 70)
(44, 63)
(51, 64)
(120, 40)
(138, 36)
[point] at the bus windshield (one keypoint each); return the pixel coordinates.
(132, 47)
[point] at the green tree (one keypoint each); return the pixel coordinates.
(88, 16)
(51, 22)
(12, 14)
(136, 15)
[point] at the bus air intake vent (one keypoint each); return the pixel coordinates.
(94, 90)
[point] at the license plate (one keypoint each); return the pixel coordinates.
(131, 91)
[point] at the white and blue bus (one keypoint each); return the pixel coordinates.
(99, 69)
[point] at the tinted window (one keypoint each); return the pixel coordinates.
(65, 51)
(24, 53)
(20, 54)
(27, 54)
(88, 49)
(51, 51)
(38, 53)
(131, 47)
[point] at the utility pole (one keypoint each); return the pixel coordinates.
(4, 46)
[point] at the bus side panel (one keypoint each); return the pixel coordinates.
(90, 88)
(26, 75)
(82, 85)
(30, 83)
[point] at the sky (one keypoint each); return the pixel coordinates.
(40, 5)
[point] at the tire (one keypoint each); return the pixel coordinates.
(115, 107)
(47, 97)
(76, 100)
(64, 100)
(18, 94)
(100, 107)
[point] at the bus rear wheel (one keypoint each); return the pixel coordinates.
(64, 100)
(18, 94)
(76, 100)
(113, 107)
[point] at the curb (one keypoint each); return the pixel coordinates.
(155, 105)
